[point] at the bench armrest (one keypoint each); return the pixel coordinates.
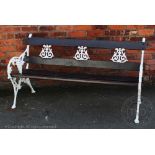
(18, 61)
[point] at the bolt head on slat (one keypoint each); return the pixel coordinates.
(143, 40)
(30, 35)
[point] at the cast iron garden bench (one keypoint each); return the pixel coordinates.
(80, 59)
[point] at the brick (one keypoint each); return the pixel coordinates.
(132, 51)
(150, 62)
(151, 45)
(131, 57)
(146, 32)
(58, 34)
(102, 27)
(151, 38)
(149, 51)
(135, 27)
(82, 27)
(95, 33)
(10, 29)
(29, 28)
(77, 34)
(113, 32)
(126, 32)
(64, 27)
(135, 32)
(153, 55)
(7, 48)
(152, 67)
(2, 36)
(117, 27)
(41, 34)
(12, 54)
(46, 28)
(2, 54)
(20, 47)
(150, 26)
(4, 62)
(21, 35)
(10, 35)
(8, 42)
(146, 56)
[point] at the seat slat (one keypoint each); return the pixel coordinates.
(75, 77)
(89, 63)
(82, 81)
(89, 43)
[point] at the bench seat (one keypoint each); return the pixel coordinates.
(75, 77)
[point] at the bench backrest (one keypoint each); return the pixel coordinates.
(88, 43)
(136, 45)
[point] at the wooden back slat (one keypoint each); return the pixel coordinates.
(136, 45)
(89, 63)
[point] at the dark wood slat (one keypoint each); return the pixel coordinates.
(89, 43)
(89, 63)
(80, 80)
(99, 77)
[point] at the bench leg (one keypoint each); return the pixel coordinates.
(139, 87)
(138, 107)
(15, 97)
(16, 88)
(139, 92)
(28, 82)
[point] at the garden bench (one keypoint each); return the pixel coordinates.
(80, 59)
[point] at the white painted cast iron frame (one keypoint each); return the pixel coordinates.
(17, 82)
(139, 100)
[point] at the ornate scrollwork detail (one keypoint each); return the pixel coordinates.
(16, 61)
(81, 53)
(119, 56)
(16, 82)
(46, 52)
(17, 85)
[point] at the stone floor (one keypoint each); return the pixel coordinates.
(72, 106)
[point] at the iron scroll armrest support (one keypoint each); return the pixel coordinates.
(19, 63)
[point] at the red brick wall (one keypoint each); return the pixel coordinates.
(11, 42)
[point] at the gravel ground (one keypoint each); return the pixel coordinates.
(69, 106)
